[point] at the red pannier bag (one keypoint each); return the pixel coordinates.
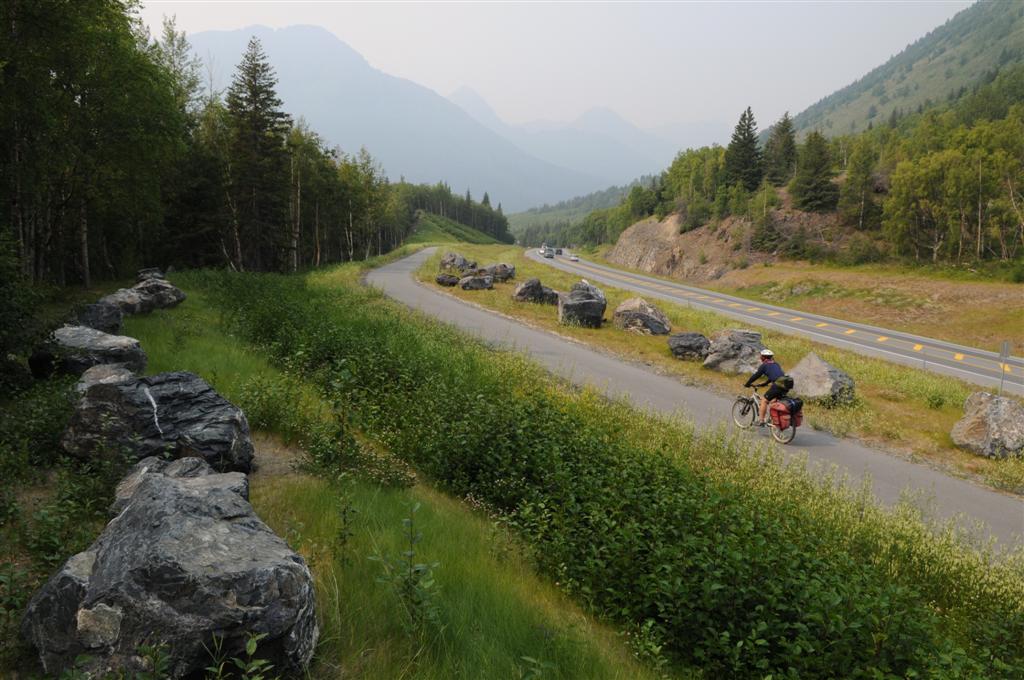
(787, 411)
(779, 412)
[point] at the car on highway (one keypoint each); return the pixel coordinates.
(574, 258)
(548, 252)
(558, 251)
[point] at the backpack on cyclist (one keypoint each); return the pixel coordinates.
(785, 382)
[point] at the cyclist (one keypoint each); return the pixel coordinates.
(771, 372)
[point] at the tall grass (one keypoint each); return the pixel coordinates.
(497, 618)
(736, 563)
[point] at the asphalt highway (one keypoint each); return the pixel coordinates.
(1000, 516)
(967, 363)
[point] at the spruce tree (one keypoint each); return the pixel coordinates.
(780, 151)
(258, 163)
(743, 162)
(812, 187)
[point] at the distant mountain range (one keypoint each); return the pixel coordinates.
(417, 134)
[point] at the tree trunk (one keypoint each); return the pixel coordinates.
(316, 232)
(83, 242)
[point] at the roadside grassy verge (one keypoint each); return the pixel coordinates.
(722, 558)
(943, 303)
(495, 617)
(898, 408)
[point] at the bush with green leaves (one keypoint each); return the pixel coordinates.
(745, 566)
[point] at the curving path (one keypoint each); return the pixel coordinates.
(1002, 516)
(967, 363)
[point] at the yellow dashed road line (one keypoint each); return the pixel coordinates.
(958, 356)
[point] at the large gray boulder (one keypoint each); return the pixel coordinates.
(639, 316)
(583, 305)
(170, 414)
(456, 262)
(815, 378)
(500, 272)
(476, 282)
(147, 273)
(992, 426)
(145, 296)
(447, 280)
(734, 351)
(106, 374)
(80, 347)
(692, 346)
(531, 290)
(185, 559)
(103, 316)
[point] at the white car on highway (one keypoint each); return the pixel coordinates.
(574, 258)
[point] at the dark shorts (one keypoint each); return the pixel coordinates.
(775, 392)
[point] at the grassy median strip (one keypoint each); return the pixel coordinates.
(713, 555)
(898, 407)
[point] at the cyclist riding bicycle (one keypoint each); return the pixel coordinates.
(774, 375)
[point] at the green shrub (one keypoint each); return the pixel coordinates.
(747, 568)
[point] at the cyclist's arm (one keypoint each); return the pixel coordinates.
(757, 374)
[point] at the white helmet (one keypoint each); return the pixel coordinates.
(767, 353)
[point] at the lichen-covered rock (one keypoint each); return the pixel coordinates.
(692, 346)
(992, 426)
(447, 280)
(147, 273)
(106, 374)
(815, 378)
(103, 316)
(734, 351)
(583, 305)
(500, 272)
(78, 348)
(476, 282)
(185, 559)
(639, 316)
(531, 290)
(145, 296)
(456, 262)
(170, 414)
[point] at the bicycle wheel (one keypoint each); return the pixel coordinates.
(743, 413)
(783, 436)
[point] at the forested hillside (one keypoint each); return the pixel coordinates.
(113, 155)
(942, 186)
(939, 67)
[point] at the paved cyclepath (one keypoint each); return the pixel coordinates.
(1001, 515)
(967, 363)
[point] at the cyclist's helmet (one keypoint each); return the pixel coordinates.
(767, 354)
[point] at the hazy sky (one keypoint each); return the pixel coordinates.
(653, 62)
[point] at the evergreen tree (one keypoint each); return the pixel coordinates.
(855, 204)
(780, 151)
(743, 162)
(258, 163)
(812, 187)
